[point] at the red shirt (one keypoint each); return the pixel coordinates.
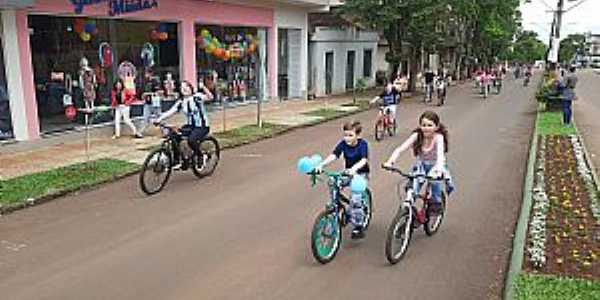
(127, 97)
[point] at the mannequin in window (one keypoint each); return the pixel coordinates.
(87, 83)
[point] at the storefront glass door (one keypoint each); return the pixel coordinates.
(6, 131)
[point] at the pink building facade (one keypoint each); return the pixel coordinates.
(71, 29)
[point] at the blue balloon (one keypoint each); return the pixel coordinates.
(162, 28)
(358, 184)
(316, 160)
(89, 28)
(305, 165)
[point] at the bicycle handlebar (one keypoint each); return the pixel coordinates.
(411, 176)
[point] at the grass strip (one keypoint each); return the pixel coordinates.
(546, 287)
(19, 191)
(247, 134)
(550, 123)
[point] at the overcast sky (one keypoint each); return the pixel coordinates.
(583, 18)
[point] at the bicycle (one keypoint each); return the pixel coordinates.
(158, 165)
(385, 122)
(326, 234)
(408, 217)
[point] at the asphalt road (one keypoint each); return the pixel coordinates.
(244, 232)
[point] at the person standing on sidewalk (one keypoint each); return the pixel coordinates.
(121, 99)
(566, 88)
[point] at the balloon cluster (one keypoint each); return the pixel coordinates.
(159, 33)
(85, 29)
(308, 164)
(244, 45)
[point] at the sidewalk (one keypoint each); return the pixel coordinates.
(29, 157)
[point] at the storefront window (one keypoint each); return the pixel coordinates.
(6, 131)
(232, 54)
(59, 44)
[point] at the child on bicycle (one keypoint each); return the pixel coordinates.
(196, 128)
(429, 143)
(356, 153)
(390, 97)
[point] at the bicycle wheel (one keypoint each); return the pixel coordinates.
(434, 222)
(206, 162)
(368, 207)
(155, 171)
(391, 129)
(398, 236)
(379, 130)
(325, 237)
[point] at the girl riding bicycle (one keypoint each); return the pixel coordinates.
(196, 128)
(356, 152)
(429, 143)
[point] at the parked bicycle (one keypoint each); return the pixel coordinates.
(326, 235)
(411, 214)
(158, 165)
(385, 123)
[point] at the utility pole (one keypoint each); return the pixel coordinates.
(555, 33)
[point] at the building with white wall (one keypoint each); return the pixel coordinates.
(339, 55)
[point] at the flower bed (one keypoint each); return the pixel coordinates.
(564, 231)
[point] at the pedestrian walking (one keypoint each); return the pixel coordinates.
(121, 99)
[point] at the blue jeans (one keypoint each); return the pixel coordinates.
(567, 111)
(436, 187)
(356, 208)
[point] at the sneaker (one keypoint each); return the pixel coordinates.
(357, 233)
(114, 137)
(138, 135)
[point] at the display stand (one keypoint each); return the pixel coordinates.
(88, 112)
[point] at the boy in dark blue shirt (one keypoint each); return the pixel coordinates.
(356, 153)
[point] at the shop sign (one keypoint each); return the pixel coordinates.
(116, 7)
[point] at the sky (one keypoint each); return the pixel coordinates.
(581, 19)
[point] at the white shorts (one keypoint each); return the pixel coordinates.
(392, 109)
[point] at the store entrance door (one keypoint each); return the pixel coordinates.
(6, 130)
(350, 71)
(328, 72)
(283, 62)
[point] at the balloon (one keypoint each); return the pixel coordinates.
(85, 36)
(200, 41)
(210, 49)
(252, 48)
(78, 26)
(249, 38)
(164, 36)
(95, 31)
(305, 165)
(316, 159)
(207, 41)
(162, 27)
(89, 28)
(205, 33)
(219, 53)
(227, 55)
(358, 184)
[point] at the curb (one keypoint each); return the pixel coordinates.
(516, 259)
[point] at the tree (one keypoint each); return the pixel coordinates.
(570, 46)
(527, 47)
(472, 28)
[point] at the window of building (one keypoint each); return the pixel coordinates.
(58, 45)
(368, 63)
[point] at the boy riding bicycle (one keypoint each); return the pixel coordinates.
(356, 153)
(390, 98)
